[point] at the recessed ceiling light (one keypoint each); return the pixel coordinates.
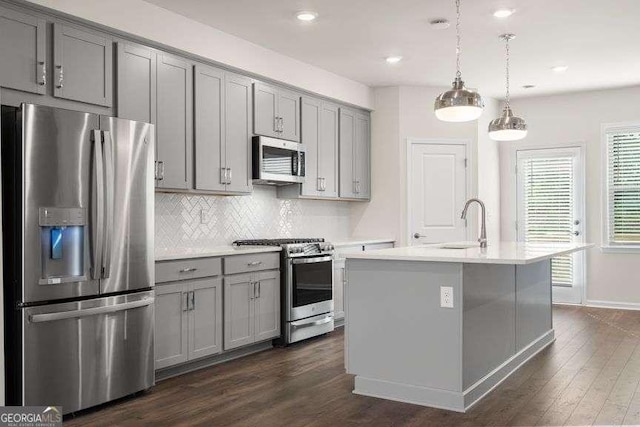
(560, 68)
(503, 13)
(528, 86)
(439, 24)
(393, 59)
(306, 16)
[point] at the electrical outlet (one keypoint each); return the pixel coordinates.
(204, 216)
(446, 296)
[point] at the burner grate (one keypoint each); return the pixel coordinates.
(276, 242)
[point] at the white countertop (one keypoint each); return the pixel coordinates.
(496, 253)
(361, 241)
(165, 254)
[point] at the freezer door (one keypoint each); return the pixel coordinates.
(81, 354)
(58, 173)
(129, 193)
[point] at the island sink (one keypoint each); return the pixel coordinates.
(403, 344)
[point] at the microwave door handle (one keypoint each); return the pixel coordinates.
(97, 206)
(109, 201)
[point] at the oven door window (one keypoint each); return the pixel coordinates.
(312, 283)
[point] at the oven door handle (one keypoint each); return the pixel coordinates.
(312, 260)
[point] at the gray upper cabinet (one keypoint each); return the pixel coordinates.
(82, 65)
(23, 41)
(174, 128)
(238, 118)
(320, 138)
(276, 112)
(136, 82)
(222, 131)
(171, 325)
(355, 159)
(205, 318)
(211, 173)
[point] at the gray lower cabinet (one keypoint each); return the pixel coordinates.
(174, 127)
(276, 112)
(320, 138)
(82, 65)
(136, 82)
(23, 41)
(222, 131)
(252, 308)
(355, 159)
(188, 320)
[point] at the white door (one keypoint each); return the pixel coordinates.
(437, 192)
(550, 208)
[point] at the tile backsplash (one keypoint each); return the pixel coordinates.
(197, 221)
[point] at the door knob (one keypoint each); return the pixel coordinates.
(418, 235)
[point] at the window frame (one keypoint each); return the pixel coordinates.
(607, 245)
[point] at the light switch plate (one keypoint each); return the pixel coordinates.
(446, 296)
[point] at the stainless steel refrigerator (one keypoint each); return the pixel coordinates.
(78, 212)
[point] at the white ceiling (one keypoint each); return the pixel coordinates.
(597, 39)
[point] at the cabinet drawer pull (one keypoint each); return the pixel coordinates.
(60, 84)
(43, 80)
(188, 270)
(254, 263)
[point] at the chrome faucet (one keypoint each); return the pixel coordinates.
(483, 229)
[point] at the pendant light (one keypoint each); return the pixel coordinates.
(507, 127)
(458, 104)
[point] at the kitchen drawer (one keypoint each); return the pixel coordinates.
(251, 262)
(169, 271)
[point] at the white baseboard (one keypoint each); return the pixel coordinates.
(613, 304)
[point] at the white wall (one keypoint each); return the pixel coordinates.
(407, 112)
(577, 117)
(149, 21)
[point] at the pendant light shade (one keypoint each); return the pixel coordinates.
(507, 127)
(458, 104)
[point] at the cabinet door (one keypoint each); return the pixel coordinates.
(310, 137)
(174, 143)
(338, 289)
(171, 326)
(136, 83)
(238, 311)
(267, 305)
(238, 132)
(347, 142)
(362, 156)
(205, 317)
(82, 65)
(289, 114)
(22, 51)
(328, 150)
(265, 110)
(209, 129)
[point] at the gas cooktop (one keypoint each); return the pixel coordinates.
(276, 242)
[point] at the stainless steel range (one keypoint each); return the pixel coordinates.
(307, 286)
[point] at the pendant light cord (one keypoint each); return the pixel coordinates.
(507, 71)
(458, 49)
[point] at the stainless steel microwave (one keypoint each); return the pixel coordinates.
(277, 162)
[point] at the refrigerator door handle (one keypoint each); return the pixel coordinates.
(109, 201)
(50, 317)
(97, 206)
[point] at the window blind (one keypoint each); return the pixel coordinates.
(548, 193)
(623, 186)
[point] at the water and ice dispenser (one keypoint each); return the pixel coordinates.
(62, 233)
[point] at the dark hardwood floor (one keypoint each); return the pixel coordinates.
(590, 375)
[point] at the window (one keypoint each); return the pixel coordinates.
(622, 178)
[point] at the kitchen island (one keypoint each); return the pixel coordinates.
(442, 325)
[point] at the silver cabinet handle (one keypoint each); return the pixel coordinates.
(252, 293)
(229, 176)
(254, 263)
(258, 295)
(60, 84)
(275, 124)
(223, 175)
(192, 300)
(160, 170)
(43, 73)
(324, 184)
(319, 184)
(185, 301)
(281, 125)
(188, 270)
(94, 311)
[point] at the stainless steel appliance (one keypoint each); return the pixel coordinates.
(306, 287)
(78, 209)
(277, 162)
